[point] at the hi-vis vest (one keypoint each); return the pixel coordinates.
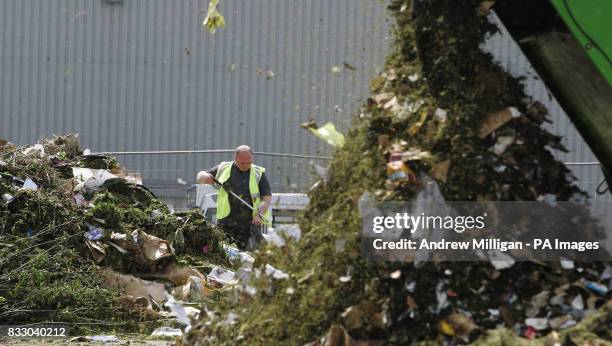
(223, 206)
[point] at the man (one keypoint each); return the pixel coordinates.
(250, 183)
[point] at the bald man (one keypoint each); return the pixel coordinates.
(248, 181)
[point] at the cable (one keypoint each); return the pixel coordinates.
(212, 151)
(571, 14)
(601, 188)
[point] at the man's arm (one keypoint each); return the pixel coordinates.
(263, 207)
(266, 194)
(206, 177)
(265, 204)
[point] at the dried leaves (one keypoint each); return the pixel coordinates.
(213, 19)
(496, 120)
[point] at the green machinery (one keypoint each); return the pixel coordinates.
(589, 21)
(569, 42)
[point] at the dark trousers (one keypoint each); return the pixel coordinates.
(246, 235)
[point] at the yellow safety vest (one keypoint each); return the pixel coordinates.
(223, 206)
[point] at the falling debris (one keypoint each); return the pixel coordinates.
(440, 170)
(326, 132)
(349, 66)
(503, 142)
(440, 115)
(213, 19)
(496, 120)
(485, 7)
(84, 243)
(382, 98)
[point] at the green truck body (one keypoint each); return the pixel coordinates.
(591, 23)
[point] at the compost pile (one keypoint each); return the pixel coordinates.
(80, 241)
(455, 116)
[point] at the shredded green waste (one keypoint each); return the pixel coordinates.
(438, 101)
(50, 272)
(439, 94)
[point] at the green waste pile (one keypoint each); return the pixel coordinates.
(78, 238)
(449, 112)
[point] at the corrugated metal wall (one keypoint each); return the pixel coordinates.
(509, 55)
(145, 75)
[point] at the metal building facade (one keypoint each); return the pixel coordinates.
(142, 75)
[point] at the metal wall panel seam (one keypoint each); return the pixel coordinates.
(35, 61)
(302, 91)
(19, 80)
(332, 83)
(110, 85)
(207, 93)
(176, 56)
(169, 75)
(158, 87)
(260, 68)
(195, 140)
(3, 62)
(79, 87)
(4, 59)
(106, 75)
(15, 71)
(225, 88)
(50, 61)
(119, 67)
(29, 62)
(183, 91)
(236, 12)
(274, 58)
(140, 105)
(129, 20)
(67, 70)
(287, 108)
(293, 104)
(72, 68)
(166, 72)
(170, 86)
(87, 138)
(250, 74)
(222, 123)
(88, 75)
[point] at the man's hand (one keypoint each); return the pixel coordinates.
(263, 208)
(257, 220)
(204, 178)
